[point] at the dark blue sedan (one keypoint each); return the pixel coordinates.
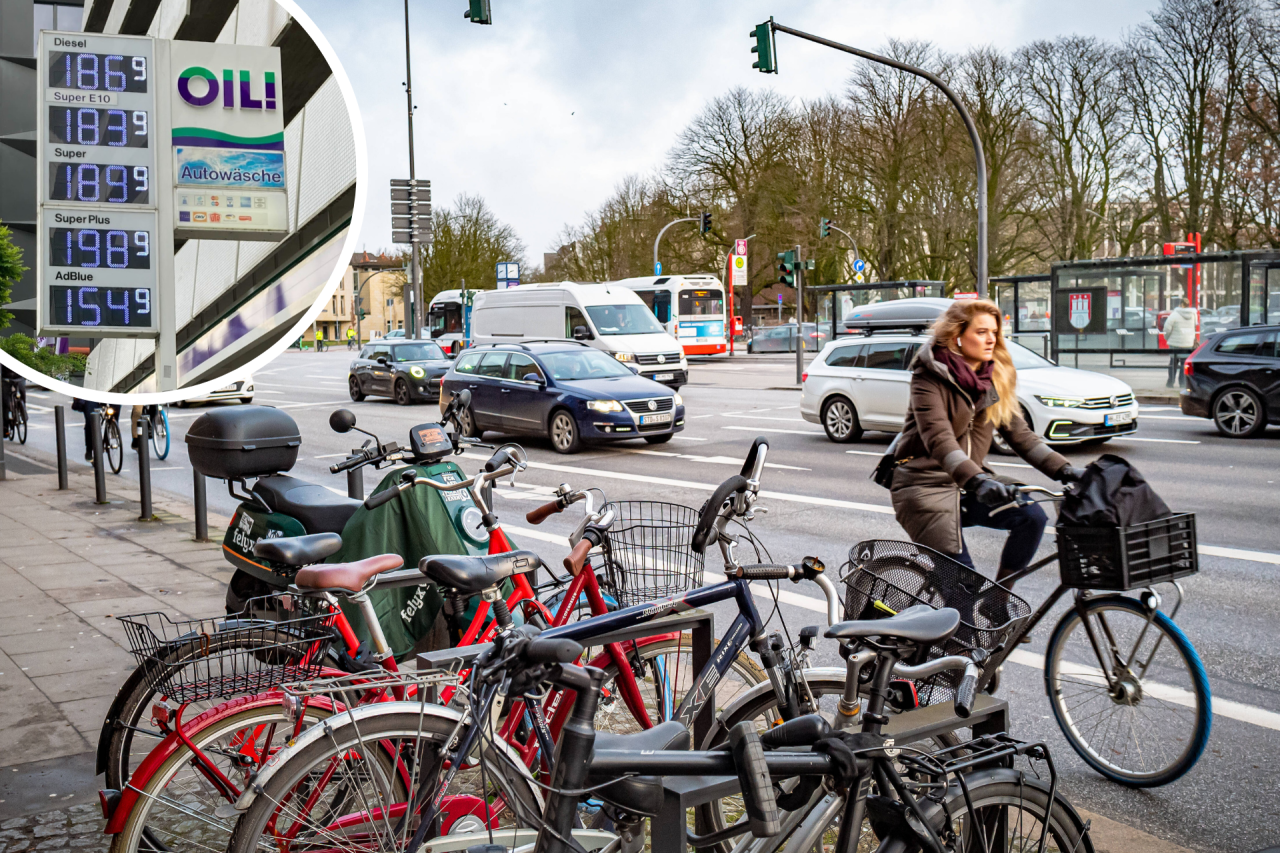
(564, 390)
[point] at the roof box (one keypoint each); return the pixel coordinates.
(915, 314)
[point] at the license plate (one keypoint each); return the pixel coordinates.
(1117, 418)
(664, 418)
(664, 377)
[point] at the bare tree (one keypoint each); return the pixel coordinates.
(468, 241)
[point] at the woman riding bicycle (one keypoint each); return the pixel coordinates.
(962, 390)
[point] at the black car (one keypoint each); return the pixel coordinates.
(1234, 378)
(406, 371)
(564, 390)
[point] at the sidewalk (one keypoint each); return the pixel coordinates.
(68, 566)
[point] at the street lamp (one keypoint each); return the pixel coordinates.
(704, 224)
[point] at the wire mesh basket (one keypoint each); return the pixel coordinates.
(648, 553)
(901, 574)
(275, 639)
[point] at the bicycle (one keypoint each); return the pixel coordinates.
(112, 446)
(15, 425)
(1127, 688)
(159, 418)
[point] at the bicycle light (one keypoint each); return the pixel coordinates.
(291, 707)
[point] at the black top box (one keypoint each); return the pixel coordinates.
(243, 441)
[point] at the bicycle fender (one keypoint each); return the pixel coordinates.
(113, 715)
(838, 672)
(366, 712)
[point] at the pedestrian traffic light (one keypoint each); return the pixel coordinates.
(704, 221)
(479, 12)
(824, 228)
(787, 268)
(763, 34)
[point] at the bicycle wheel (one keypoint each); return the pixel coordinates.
(1150, 725)
(112, 446)
(177, 806)
(160, 434)
(20, 419)
(334, 793)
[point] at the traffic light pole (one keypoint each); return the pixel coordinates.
(415, 297)
(799, 317)
(658, 239)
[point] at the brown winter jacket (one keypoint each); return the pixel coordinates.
(945, 441)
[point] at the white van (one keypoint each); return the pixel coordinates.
(610, 318)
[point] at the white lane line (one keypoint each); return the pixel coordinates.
(1168, 418)
(695, 417)
(866, 452)
(679, 437)
(38, 409)
(1158, 409)
(37, 396)
(530, 533)
(764, 417)
(305, 405)
(168, 468)
(771, 429)
(715, 460)
(1238, 554)
(1156, 440)
(28, 459)
(989, 462)
(330, 456)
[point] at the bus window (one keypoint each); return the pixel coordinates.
(701, 303)
(662, 306)
(445, 318)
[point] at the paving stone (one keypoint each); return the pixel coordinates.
(15, 821)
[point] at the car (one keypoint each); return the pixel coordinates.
(1233, 378)
(407, 371)
(783, 338)
(240, 391)
(565, 390)
(863, 383)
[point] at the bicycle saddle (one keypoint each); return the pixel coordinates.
(918, 624)
(641, 795)
(298, 550)
(349, 576)
(472, 574)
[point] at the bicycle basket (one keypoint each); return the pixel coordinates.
(1123, 558)
(648, 553)
(275, 639)
(901, 574)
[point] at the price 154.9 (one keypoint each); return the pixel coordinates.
(100, 306)
(100, 248)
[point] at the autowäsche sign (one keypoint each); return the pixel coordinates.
(228, 142)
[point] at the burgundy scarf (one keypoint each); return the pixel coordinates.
(973, 383)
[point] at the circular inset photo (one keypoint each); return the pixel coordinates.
(183, 203)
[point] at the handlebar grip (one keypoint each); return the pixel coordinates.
(348, 463)
(966, 692)
(496, 461)
(542, 513)
(753, 774)
(802, 731)
(377, 499)
(711, 509)
(552, 650)
(766, 572)
(578, 556)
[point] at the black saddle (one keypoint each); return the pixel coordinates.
(640, 795)
(918, 624)
(299, 550)
(319, 510)
(471, 574)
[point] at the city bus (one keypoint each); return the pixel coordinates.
(690, 307)
(444, 321)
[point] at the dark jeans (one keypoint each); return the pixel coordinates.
(1176, 376)
(1025, 525)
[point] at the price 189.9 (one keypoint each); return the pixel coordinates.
(100, 248)
(99, 182)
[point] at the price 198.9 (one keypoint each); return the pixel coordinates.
(100, 248)
(89, 306)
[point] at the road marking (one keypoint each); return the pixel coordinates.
(168, 468)
(1157, 440)
(1168, 418)
(715, 460)
(305, 405)
(679, 437)
(989, 462)
(763, 417)
(866, 452)
(28, 459)
(770, 429)
(695, 417)
(38, 409)
(554, 538)
(330, 456)
(37, 396)
(1239, 554)
(1158, 409)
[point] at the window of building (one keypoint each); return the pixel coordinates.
(55, 16)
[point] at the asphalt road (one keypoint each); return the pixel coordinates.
(821, 502)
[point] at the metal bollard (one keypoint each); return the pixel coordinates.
(60, 428)
(99, 466)
(355, 481)
(144, 467)
(202, 507)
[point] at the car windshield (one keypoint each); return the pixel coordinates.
(418, 352)
(583, 364)
(624, 319)
(1025, 359)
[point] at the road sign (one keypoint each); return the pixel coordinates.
(740, 247)
(859, 265)
(779, 298)
(410, 210)
(508, 274)
(738, 274)
(859, 277)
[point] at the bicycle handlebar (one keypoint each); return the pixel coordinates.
(409, 481)
(1025, 497)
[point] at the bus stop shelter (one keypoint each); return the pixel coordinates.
(845, 297)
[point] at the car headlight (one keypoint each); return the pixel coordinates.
(1060, 402)
(604, 406)
(679, 400)
(625, 356)
(417, 372)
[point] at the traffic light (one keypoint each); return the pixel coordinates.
(787, 268)
(763, 34)
(359, 306)
(824, 228)
(704, 222)
(479, 12)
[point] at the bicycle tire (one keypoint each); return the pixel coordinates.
(159, 433)
(21, 422)
(405, 732)
(155, 819)
(112, 446)
(121, 730)
(1196, 685)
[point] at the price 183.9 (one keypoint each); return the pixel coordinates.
(83, 305)
(100, 248)
(98, 126)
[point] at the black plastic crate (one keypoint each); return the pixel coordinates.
(1123, 558)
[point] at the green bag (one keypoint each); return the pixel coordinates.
(421, 522)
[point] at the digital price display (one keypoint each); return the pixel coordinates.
(87, 306)
(91, 183)
(95, 248)
(97, 72)
(98, 126)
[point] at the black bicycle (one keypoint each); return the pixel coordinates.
(15, 411)
(112, 446)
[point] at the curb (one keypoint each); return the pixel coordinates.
(1157, 400)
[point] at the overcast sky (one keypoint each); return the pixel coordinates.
(545, 111)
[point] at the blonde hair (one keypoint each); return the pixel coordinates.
(953, 323)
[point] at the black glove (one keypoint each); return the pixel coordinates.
(989, 491)
(1070, 474)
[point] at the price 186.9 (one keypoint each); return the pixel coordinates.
(100, 248)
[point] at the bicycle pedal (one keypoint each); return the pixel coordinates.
(903, 695)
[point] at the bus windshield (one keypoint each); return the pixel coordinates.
(701, 303)
(445, 317)
(624, 320)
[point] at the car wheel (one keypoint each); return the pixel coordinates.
(564, 433)
(1238, 413)
(353, 388)
(840, 420)
(659, 439)
(467, 422)
(402, 393)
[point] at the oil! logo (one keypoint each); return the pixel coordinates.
(200, 79)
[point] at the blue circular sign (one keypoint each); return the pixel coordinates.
(859, 265)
